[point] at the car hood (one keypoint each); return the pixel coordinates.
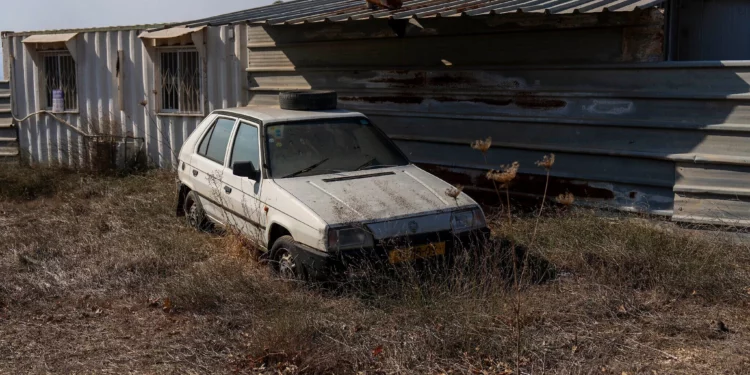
(373, 195)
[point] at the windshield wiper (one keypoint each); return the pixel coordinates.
(308, 169)
(366, 165)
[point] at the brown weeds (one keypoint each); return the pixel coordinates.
(482, 145)
(100, 277)
(505, 175)
(566, 199)
(547, 162)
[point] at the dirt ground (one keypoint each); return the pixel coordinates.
(97, 275)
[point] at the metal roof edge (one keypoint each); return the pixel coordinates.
(83, 30)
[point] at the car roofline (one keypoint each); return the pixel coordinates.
(242, 114)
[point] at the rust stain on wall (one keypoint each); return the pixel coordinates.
(452, 80)
(383, 99)
(422, 79)
(530, 100)
(490, 101)
(419, 79)
(539, 103)
(524, 184)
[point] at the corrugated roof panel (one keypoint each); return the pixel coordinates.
(310, 11)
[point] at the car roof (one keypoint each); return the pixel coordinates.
(271, 114)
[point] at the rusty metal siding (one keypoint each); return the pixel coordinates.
(665, 138)
(44, 140)
(506, 48)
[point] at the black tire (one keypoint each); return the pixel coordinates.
(284, 259)
(194, 214)
(311, 100)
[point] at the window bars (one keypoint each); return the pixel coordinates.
(180, 81)
(60, 74)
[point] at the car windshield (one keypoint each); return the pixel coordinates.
(328, 146)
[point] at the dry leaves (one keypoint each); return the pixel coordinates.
(454, 192)
(481, 145)
(566, 199)
(505, 175)
(547, 162)
(167, 305)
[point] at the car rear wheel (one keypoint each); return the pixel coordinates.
(194, 214)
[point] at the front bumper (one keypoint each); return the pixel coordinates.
(322, 265)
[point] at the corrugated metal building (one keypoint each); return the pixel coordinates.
(611, 86)
(124, 81)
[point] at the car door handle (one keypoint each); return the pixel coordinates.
(195, 173)
(227, 189)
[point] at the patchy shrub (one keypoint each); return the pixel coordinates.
(642, 254)
(22, 183)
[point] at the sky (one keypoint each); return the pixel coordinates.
(25, 15)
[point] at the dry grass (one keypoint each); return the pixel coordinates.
(98, 276)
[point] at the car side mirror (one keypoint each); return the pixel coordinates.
(246, 169)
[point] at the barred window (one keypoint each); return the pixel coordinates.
(180, 81)
(59, 73)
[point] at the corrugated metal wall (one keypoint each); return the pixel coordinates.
(636, 136)
(711, 30)
(8, 138)
(45, 140)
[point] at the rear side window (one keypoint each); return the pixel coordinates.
(214, 143)
(204, 143)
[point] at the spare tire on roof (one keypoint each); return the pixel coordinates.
(309, 100)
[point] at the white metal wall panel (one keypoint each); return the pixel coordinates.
(45, 140)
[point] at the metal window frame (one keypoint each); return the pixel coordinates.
(158, 72)
(234, 142)
(207, 137)
(42, 69)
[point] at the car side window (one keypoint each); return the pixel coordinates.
(214, 144)
(204, 143)
(246, 146)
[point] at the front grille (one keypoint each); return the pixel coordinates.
(403, 242)
(464, 241)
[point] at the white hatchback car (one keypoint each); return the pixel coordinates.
(317, 189)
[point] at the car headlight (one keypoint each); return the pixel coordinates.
(349, 238)
(462, 221)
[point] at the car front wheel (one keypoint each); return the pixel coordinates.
(285, 260)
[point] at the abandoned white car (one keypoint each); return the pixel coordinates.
(317, 187)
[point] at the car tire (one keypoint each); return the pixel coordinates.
(194, 214)
(284, 259)
(309, 100)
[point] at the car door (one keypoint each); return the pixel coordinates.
(242, 194)
(208, 165)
